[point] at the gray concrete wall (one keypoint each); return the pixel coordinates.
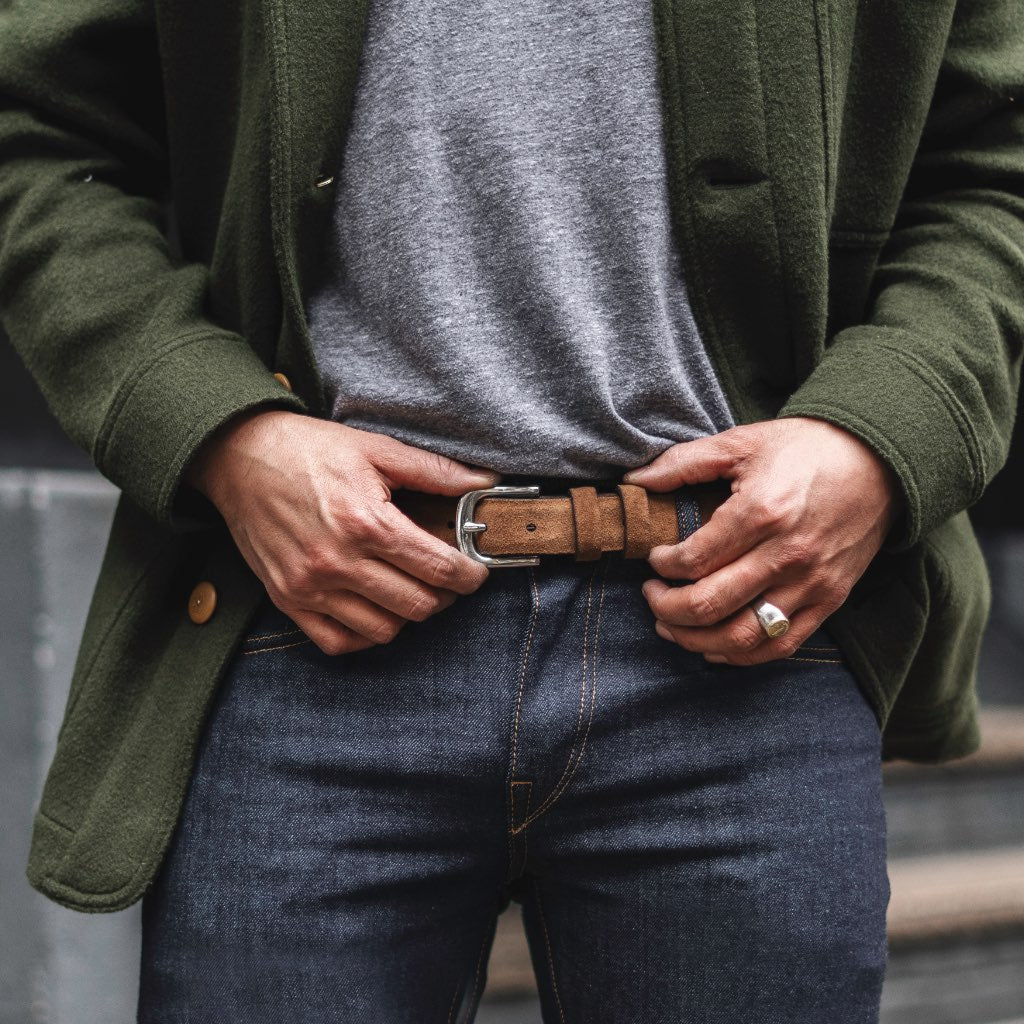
(56, 966)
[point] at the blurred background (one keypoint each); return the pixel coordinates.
(956, 831)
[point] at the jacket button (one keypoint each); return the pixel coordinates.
(283, 381)
(202, 602)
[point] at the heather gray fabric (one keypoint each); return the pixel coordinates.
(501, 284)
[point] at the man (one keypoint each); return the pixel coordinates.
(541, 245)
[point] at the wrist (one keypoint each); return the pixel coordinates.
(214, 468)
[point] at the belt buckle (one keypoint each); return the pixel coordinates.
(465, 527)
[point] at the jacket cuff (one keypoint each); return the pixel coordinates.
(907, 414)
(162, 414)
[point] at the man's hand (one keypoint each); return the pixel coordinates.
(307, 502)
(811, 506)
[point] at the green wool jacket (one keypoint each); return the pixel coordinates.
(847, 186)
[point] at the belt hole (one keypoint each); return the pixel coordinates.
(530, 527)
(451, 524)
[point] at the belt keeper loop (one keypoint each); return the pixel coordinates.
(636, 520)
(585, 520)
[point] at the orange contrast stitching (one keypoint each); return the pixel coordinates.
(279, 647)
(567, 775)
(522, 671)
(818, 661)
(526, 811)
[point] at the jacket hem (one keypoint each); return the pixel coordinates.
(55, 838)
(942, 733)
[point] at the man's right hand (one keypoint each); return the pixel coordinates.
(308, 502)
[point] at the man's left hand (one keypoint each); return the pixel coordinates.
(811, 506)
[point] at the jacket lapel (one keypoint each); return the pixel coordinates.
(746, 172)
(313, 51)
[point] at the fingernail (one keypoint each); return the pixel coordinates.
(662, 630)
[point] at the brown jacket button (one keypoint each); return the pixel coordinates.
(283, 381)
(202, 602)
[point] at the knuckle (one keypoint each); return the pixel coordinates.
(278, 593)
(295, 579)
(320, 562)
(384, 631)
(797, 553)
(763, 511)
(664, 558)
(334, 644)
(421, 606)
(696, 562)
(443, 469)
(442, 569)
(705, 609)
(656, 602)
(366, 524)
(788, 645)
(747, 638)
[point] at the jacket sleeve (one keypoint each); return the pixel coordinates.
(930, 380)
(112, 326)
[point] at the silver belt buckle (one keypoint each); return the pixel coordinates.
(465, 527)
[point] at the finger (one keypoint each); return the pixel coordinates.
(802, 625)
(426, 557)
(359, 614)
(740, 634)
(397, 591)
(715, 597)
(328, 634)
(693, 462)
(737, 526)
(403, 465)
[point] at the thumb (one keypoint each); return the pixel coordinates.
(689, 462)
(403, 465)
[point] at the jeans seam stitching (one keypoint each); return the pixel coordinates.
(517, 853)
(551, 957)
(534, 609)
(579, 718)
(567, 775)
(278, 647)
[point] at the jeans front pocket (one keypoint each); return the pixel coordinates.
(819, 647)
(271, 630)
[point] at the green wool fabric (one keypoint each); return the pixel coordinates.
(847, 186)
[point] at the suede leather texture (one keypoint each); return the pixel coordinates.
(847, 190)
(586, 523)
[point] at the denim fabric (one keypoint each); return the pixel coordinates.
(689, 842)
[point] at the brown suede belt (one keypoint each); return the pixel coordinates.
(584, 523)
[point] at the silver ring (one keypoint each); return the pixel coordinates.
(773, 620)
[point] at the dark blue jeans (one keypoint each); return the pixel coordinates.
(689, 842)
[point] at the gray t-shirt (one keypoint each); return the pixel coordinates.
(501, 283)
